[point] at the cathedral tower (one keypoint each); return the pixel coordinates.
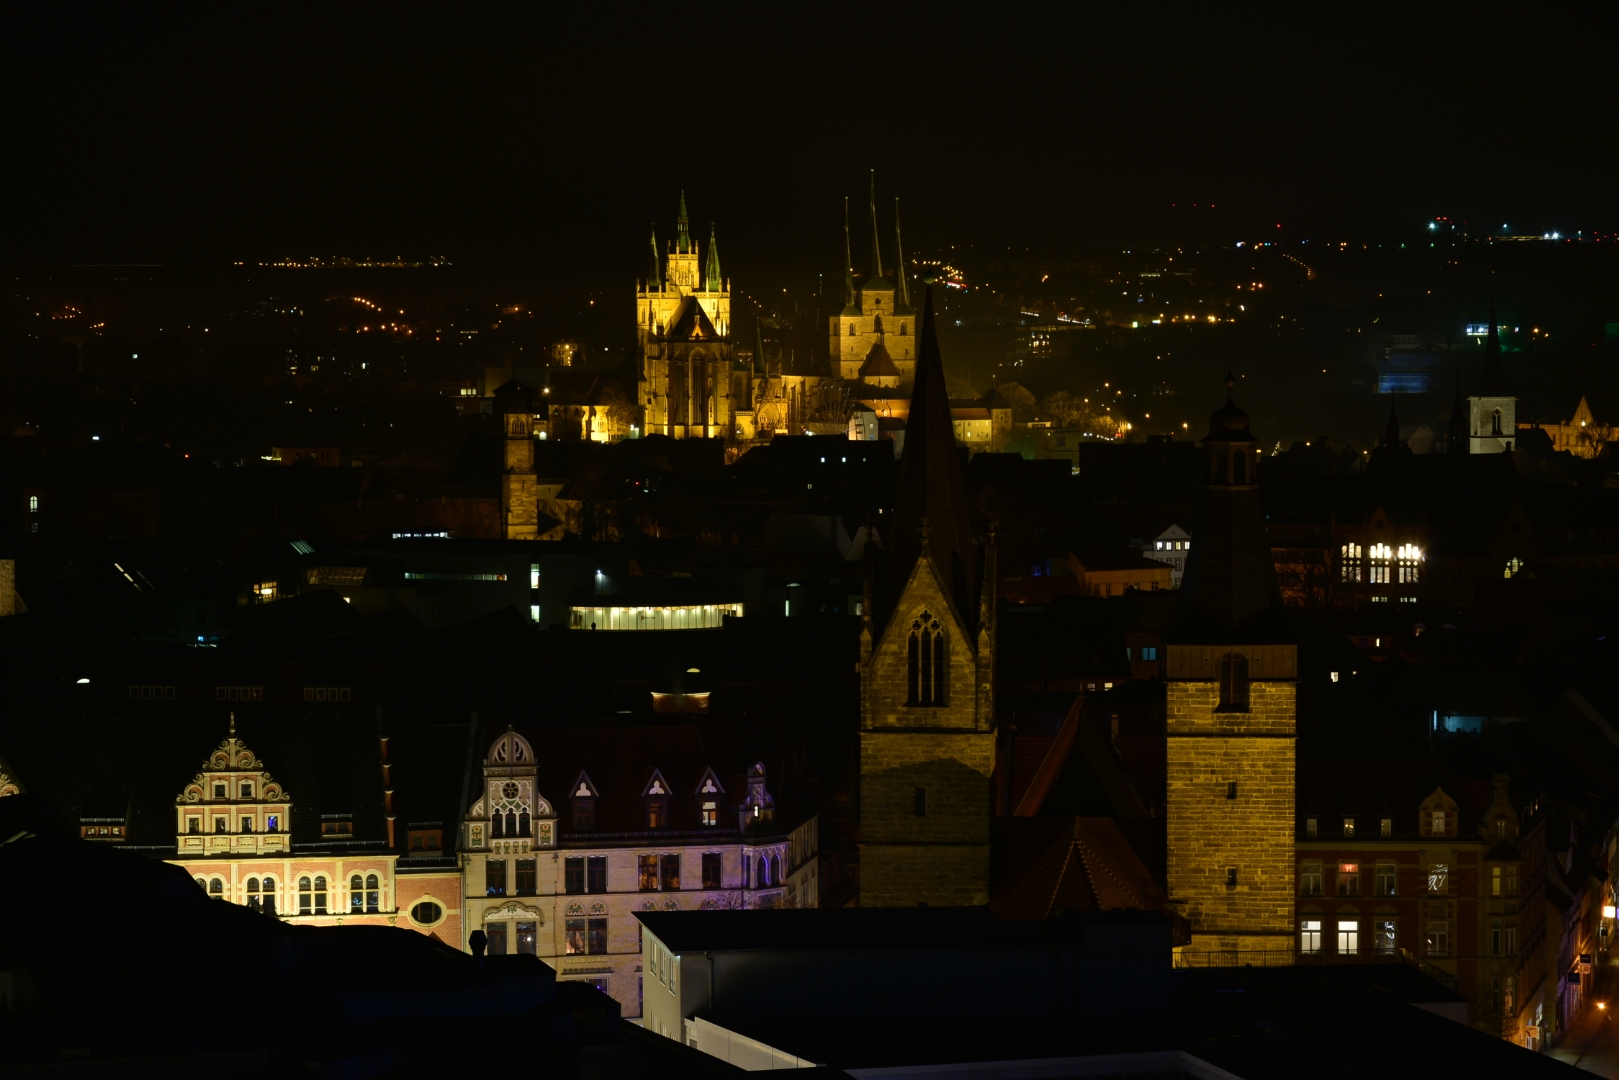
(876, 314)
(683, 319)
(927, 742)
(519, 490)
(1232, 726)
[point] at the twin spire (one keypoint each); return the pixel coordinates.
(877, 280)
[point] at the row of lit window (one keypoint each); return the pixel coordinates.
(1407, 560)
(1439, 824)
(272, 824)
(364, 893)
(1173, 545)
(1503, 879)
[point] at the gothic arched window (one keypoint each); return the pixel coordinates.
(1495, 422)
(1233, 683)
(925, 661)
(901, 329)
(851, 329)
(775, 869)
(877, 324)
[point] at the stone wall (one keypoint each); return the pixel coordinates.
(1210, 832)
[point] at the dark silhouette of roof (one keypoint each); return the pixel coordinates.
(878, 363)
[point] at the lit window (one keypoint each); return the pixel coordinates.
(1381, 555)
(646, 873)
(1410, 563)
(711, 813)
(1437, 823)
(1348, 937)
(33, 504)
(1310, 936)
(357, 892)
(1514, 564)
(1349, 828)
(494, 877)
(1349, 879)
(526, 939)
(1495, 885)
(1350, 562)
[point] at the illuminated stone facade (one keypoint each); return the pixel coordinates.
(566, 887)
(1230, 792)
(233, 837)
(877, 322)
(689, 384)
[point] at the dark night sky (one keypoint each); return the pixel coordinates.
(497, 135)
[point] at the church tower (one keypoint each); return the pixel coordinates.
(519, 491)
(877, 315)
(1492, 410)
(1232, 720)
(683, 320)
(927, 741)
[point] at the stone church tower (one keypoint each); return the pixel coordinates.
(683, 319)
(1492, 410)
(519, 491)
(927, 742)
(1231, 672)
(876, 316)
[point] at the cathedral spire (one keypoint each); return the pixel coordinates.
(654, 278)
(683, 241)
(758, 346)
(876, 238)
(902, 294)
(932, 489)
(1391, 430)
(849, 307)
(711, 275)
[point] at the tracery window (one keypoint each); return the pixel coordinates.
(1349, 561)
(925, 662)
(1381, 554)
(1410, 557)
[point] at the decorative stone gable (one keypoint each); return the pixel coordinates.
(233, 806)
(511, 816)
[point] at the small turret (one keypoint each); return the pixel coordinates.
(684, 245)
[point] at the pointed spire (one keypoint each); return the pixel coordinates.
(758, 346)
(902, 295)
(712, 282)
(683, 241)
(876, 240)
(849, 307)
(654, 278)
(1493, 380)
(1458, 418)
(1391, 430)
(932, 511)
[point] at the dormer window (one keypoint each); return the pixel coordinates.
(1349, 828)
(657, 813)
(1438, 821)
(711, 813)
(584, 815)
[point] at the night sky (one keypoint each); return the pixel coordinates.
(502, 136)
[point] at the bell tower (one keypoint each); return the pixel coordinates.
(1232, 719)
(927, 731)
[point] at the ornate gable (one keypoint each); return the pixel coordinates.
(233, 805)
(510, 815)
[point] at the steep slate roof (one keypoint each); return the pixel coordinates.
(878, 363)
(932, 491)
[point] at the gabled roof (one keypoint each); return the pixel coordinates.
(690, 323)
(878, 364)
